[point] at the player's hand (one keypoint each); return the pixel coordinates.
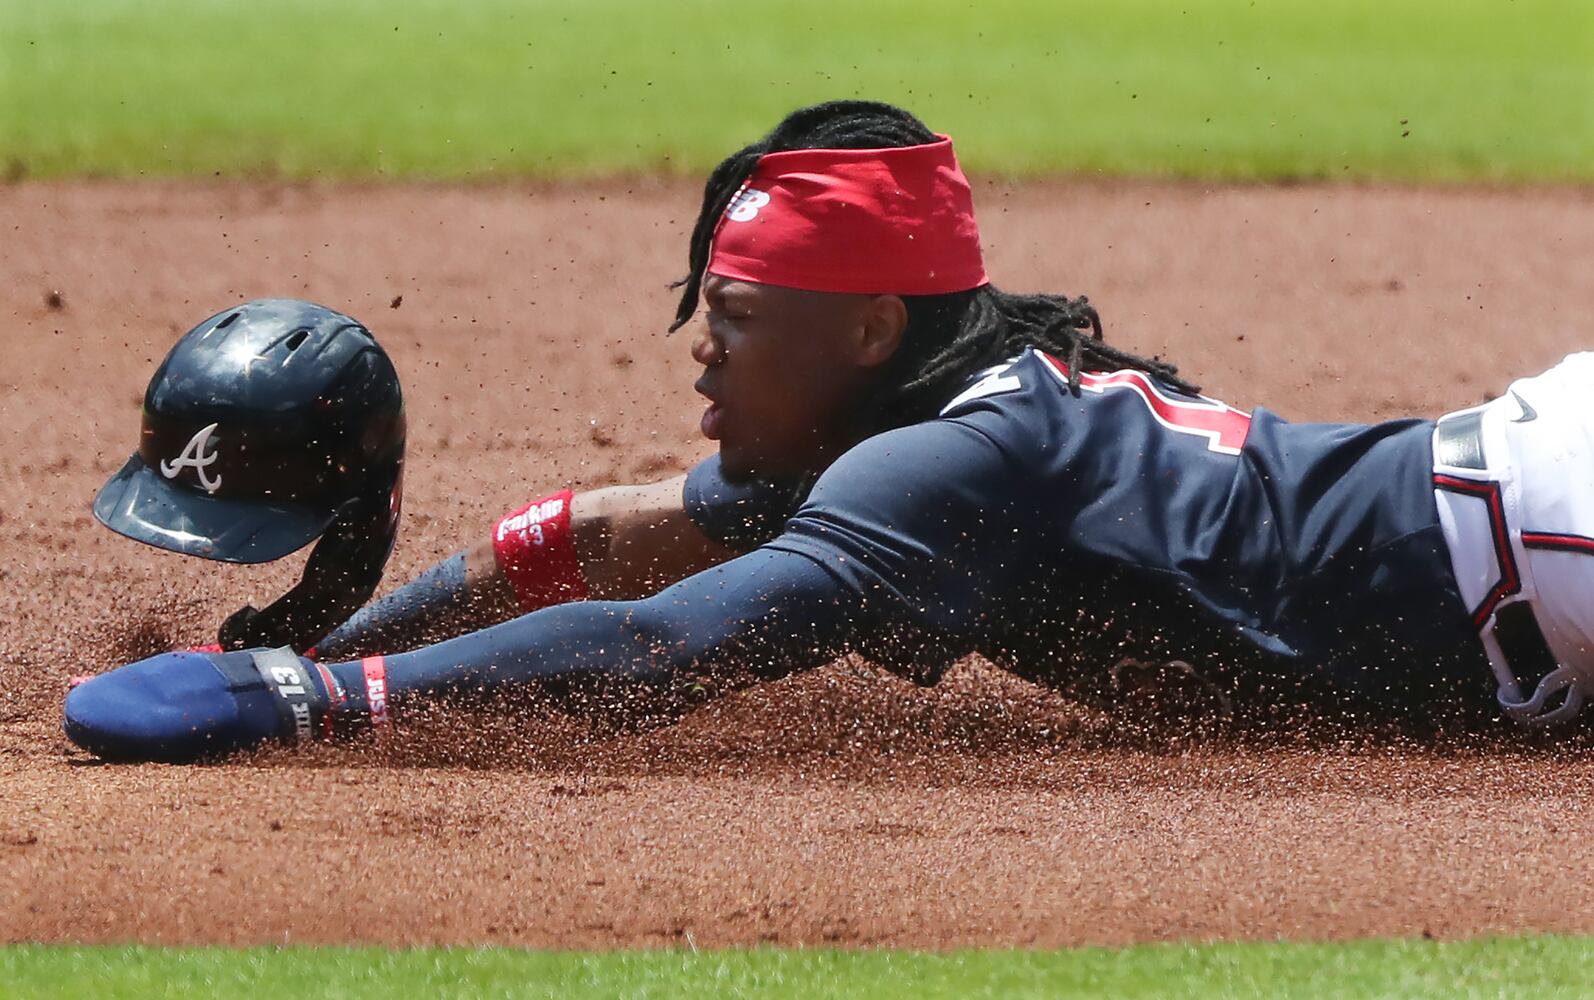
(186, 706)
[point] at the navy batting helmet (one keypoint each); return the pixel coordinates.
(268, 425)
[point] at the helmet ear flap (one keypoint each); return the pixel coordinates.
(342, 573)
(1558, 697)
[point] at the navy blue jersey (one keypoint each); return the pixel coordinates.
(1131, 520)
(1055, 532)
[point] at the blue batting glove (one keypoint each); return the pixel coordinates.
(181, 707)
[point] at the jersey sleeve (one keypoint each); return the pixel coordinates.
(739, 516)
(904, 531)
(925, 520)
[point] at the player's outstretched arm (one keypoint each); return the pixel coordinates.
(897, 535)
(616, 543)
(764, 614)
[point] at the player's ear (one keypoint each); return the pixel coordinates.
(884, 319)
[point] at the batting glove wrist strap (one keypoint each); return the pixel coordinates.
(302, 693)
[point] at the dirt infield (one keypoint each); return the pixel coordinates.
(842, 807)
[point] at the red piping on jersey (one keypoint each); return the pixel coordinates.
(1224, 427)
(1557, 542)
(1510, 581)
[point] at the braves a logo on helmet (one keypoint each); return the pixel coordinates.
(744, 207)
(194, 456)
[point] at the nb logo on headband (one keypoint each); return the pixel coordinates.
(744, 207)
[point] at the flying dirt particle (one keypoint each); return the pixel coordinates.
(54, 301)
(655, 463)
(583, 788)
(398, 300)
(125, 641)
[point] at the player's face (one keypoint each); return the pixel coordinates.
(787, 372)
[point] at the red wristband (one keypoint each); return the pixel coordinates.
(375, 670)
(536, 549)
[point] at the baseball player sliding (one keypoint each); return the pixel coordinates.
(915, 465)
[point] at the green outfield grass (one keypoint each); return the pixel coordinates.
(1540, 967)
(1245, 89)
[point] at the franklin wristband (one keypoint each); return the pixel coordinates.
(536, 550)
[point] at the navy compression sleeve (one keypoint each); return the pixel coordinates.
(403, 614)
(766, 612)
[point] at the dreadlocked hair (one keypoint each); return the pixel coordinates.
(948, 337)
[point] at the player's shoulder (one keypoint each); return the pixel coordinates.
(1033, 406)
(1007, 385)
(962, 458)
(1035, 376)
(1033, 380)
(1022, 404)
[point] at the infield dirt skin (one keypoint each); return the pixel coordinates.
(843, 806)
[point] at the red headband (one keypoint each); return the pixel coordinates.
(874, 221)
